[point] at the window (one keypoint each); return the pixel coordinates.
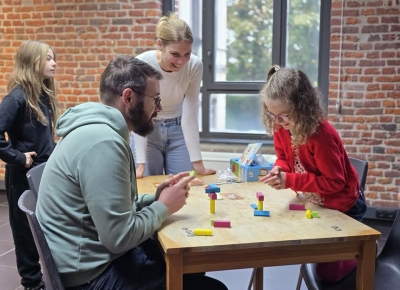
(238, 41)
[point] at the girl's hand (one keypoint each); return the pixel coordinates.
(277, 181)
(29, 159)
(199, 168)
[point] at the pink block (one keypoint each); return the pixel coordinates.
(297, 206)
(222, 224)
(212, 196)
(260, 196)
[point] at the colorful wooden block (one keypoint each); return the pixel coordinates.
(261, 213)
(212, 188)
(297, 206)
(260, 205)
(212, 206)
(222, 223)
(308, 214)
(212, 196)
(202, 232)
(260, 196)
(314, 214)
(253, 205)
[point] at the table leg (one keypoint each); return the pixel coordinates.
(366, 266)
(174, 273)
(258, 279)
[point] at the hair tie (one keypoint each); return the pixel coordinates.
(277, 68)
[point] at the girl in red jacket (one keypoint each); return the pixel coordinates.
(310, 155)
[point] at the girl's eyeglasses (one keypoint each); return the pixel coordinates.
(284, 118)
(157, 99)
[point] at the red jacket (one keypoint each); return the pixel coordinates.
(329, 171)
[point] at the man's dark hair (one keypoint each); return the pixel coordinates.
(125, 71)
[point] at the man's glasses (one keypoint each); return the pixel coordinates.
(284, 118)
(157, 99)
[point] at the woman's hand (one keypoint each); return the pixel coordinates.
(140, 170)
(199, 168)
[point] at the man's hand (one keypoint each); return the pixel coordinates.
(29, 159)
(174, 191)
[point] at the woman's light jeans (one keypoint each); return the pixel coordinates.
(166, 149)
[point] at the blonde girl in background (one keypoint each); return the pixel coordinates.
(27, 115)
(174, 145)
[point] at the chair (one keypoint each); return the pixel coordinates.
(51, 278)
(34, 175)
(387, 268)
(308, 271)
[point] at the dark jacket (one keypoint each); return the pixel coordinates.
(24, 131)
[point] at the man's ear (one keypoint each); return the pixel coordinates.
(128, 97)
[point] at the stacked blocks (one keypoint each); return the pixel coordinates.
(258, 210)
(212, 190)
(260, 198)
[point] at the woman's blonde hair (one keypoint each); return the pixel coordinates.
(25, 75)
(293, 87)
(172, 29)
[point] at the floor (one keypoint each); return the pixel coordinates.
(284, 277)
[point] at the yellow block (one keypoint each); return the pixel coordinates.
(260, 205)
(212, 206)
(309, 214)
(202, 232)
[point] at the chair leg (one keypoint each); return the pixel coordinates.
(251, 279)
(299, 281)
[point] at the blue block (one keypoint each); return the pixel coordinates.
(253, 205)
(212, 188)
(261, 213)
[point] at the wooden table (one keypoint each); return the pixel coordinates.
(284, 238)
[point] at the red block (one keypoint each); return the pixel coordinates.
(297, 206)
(212, 196)
(222, 224)
(260, 196)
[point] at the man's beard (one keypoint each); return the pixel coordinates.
(142, 124)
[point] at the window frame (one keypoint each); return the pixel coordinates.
(279, 29)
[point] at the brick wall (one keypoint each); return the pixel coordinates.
(365, 76)
(87, 34)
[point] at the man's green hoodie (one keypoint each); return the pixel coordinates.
(88, 204)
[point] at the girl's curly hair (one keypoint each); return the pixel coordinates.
(293, 86)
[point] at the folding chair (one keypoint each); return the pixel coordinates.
(34, 175)
(51, 278)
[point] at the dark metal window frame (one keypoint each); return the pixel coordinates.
(278, 57)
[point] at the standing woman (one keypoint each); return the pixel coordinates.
(174, 145)
(27, 115)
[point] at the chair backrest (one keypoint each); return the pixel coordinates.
(34, 176)
(361, 167)
(51, 278)
(391, 249)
